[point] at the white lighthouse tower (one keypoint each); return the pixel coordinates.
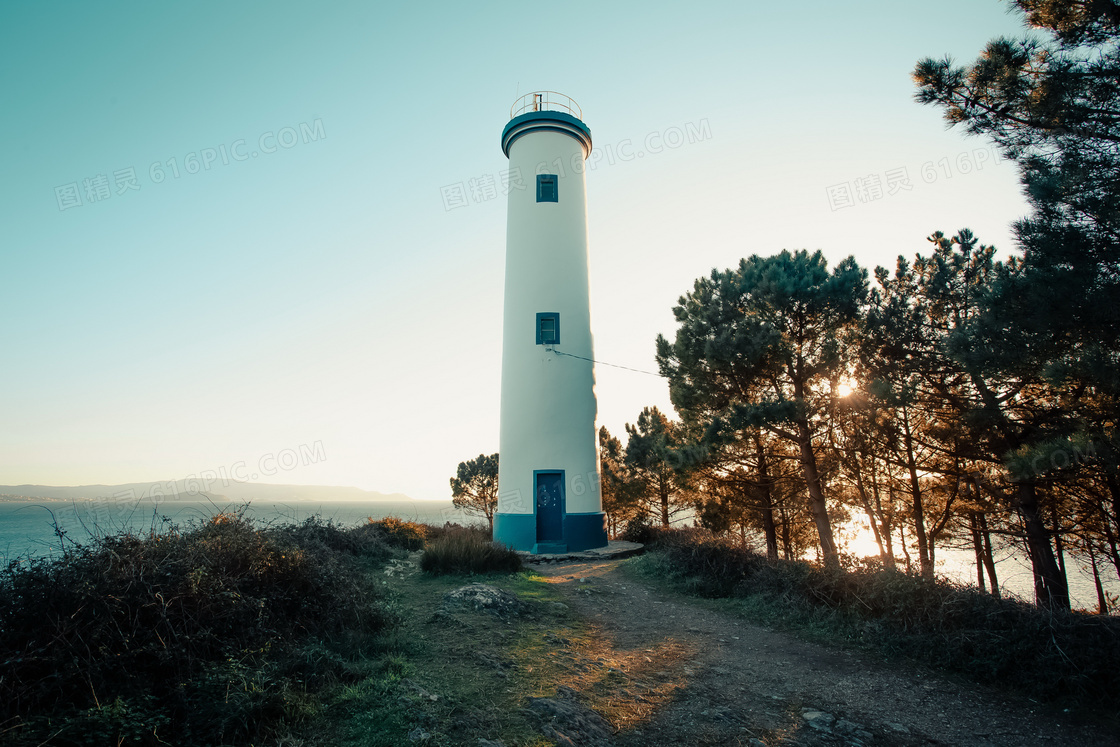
(548, 479)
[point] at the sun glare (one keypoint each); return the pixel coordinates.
(858, 539)
(843, 389)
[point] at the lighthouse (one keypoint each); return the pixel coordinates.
(548, 473)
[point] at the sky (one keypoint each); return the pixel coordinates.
(267, 239)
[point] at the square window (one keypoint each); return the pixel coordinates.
(546, 188)
(548, 328)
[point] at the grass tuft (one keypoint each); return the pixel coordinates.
(468, 550)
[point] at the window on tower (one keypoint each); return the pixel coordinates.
(548, 328)
(546, 188)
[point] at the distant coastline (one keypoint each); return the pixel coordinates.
(192, 490)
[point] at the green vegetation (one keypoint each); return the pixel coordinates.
(467, 550)
(474, 488)
(957, 400)
(228, 633)
(219, 633)
(1067, 658)
(460, 675)
(407, 535)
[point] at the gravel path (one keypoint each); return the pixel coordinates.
(726, 682)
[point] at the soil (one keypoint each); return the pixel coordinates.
(689, 674)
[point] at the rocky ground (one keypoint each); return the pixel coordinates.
(687, 674)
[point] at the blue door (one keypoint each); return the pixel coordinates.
(550, 506)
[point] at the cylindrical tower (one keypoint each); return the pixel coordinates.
(548, 477)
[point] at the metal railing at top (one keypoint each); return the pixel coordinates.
(541, 101)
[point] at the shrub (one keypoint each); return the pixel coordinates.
(640, 530)
(408, 535)
(435, 532)
(468, 550)
(182, 637)
(329, 537)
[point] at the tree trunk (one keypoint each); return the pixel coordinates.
(817, 505)
(787, 543)
(1102, 600)
(1114, 554)
(902, 542)
(766, 499)
(977, 549)
(870, 514)
(1113, 484)
(663, 491)
(924, 559)
(887, 540)
(989, 559)
(1114, 489)
(1050, 584)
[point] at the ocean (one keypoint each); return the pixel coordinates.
(29, 529)
(32, 528)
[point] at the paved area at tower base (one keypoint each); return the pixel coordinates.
(614, 550)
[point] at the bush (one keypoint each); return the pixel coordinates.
(407, 535)
(468, 550)
(640, 530)
(435, 532)
(329, 536)
(183, 637)
(1068, 657)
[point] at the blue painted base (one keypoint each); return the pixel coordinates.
(519, 531)
(581, 531)
(585, 531)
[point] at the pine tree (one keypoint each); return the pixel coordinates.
(620, 493)
(655, 464)
(1051, 102)
(474, 488)
(756, 347)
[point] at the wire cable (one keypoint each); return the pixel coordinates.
(612, 365)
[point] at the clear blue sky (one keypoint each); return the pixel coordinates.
(320, 291)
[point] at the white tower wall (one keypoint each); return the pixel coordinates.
(548, 405)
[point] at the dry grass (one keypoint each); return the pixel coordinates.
(467, 550)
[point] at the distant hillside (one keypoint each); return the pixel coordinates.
(193, 490)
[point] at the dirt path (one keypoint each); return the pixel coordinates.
(713, 679)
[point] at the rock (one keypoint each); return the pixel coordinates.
(896, 727)
(568, 722)
(818, 720)
(483, 598)
(418, 735)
